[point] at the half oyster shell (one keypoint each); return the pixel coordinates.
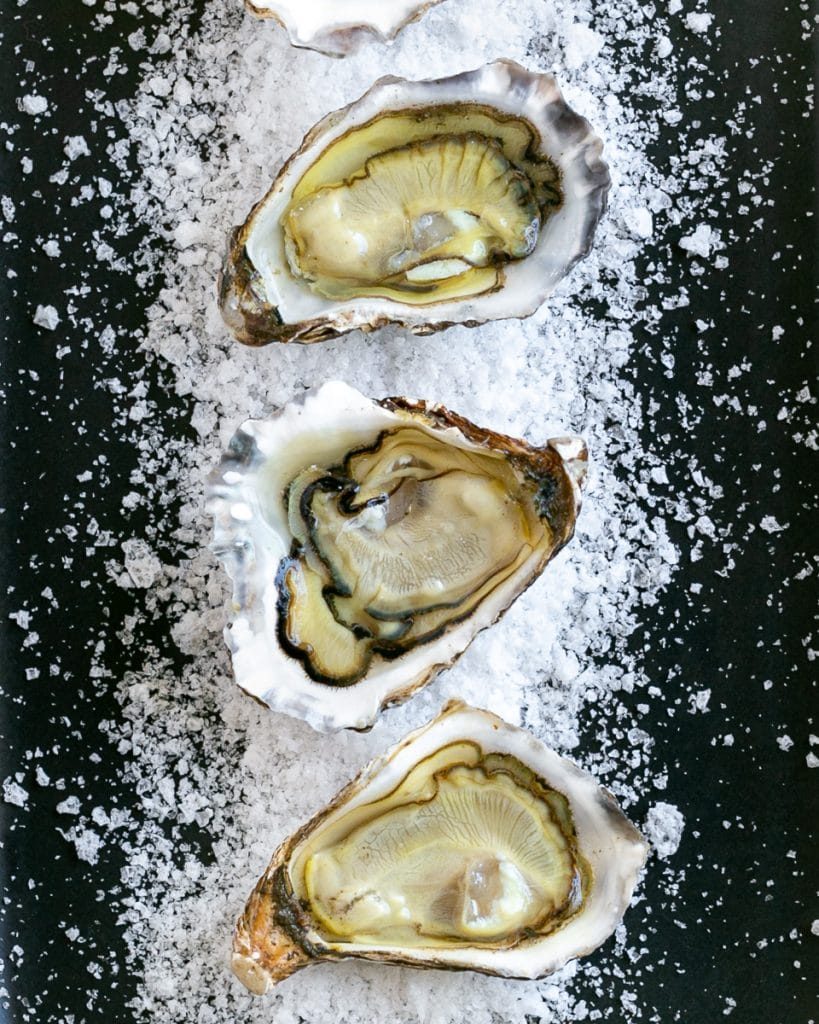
(469, 845)
(370, 541)
(423, 204)
(336, 27)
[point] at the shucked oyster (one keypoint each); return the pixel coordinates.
(335, 27)
(469, 845)
(423, 204)
(370, 541)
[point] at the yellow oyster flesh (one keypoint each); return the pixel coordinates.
(469, 849)
(402, 540)
(420, 206)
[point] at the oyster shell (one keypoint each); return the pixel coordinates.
(335, 27)
(370, 541)
(469, 845)
(423, 204)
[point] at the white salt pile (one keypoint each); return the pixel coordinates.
(219, 109)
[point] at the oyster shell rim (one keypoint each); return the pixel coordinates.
(255, 319)
(340, 40)
(287, 941)
(233, 501)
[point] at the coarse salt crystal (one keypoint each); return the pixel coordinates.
(46, 317)
(75, 146)
(699, 22)
(33, 104)
(663, 828)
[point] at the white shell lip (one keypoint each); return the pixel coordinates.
(614, 849)
(336, 27)
(251, 537)
(262, 302)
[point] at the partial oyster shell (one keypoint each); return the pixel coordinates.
(469, 845)
(370, 541)
(335, 27)
(423, 204)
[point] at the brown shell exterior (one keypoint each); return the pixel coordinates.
(265, 951)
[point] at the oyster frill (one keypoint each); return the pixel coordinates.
(423, 204)
(469, 845)
(370, 541)
(336, 27)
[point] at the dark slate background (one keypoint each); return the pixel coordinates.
(735, 922)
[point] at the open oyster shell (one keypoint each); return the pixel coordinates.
(369, 542)
(335, 27)
(469, 845)
(423, 204)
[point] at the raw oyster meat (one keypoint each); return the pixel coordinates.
(335, 27)
(469, 845)
(423, 204)
(370, 541)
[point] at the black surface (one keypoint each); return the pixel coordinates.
(722, 928)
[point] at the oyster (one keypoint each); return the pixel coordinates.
(370, 541)
(335, 27)
(469, 845)
(423, 204)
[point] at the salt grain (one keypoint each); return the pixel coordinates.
(699, 22)
(701, 242)
(141, 564)
(663, 828)
(33, 104)
(13, 793)
(75, 146)
(71, 805)
(46, 317)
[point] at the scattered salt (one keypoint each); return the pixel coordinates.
(698, 702)
(582, 45)
(33, 104)
(71, 805)
(663, 828)
(699, 22)
(46, 317)
(639, 221)
(87, 843)
(75, 146)
(13, 793)
(141, 564)
(702, 242)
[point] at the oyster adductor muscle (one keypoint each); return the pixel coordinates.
(469, 845)
(459, 200)
(370, 541)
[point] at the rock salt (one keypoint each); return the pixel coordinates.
(33, 104)
(46, 317)
(663, 828)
